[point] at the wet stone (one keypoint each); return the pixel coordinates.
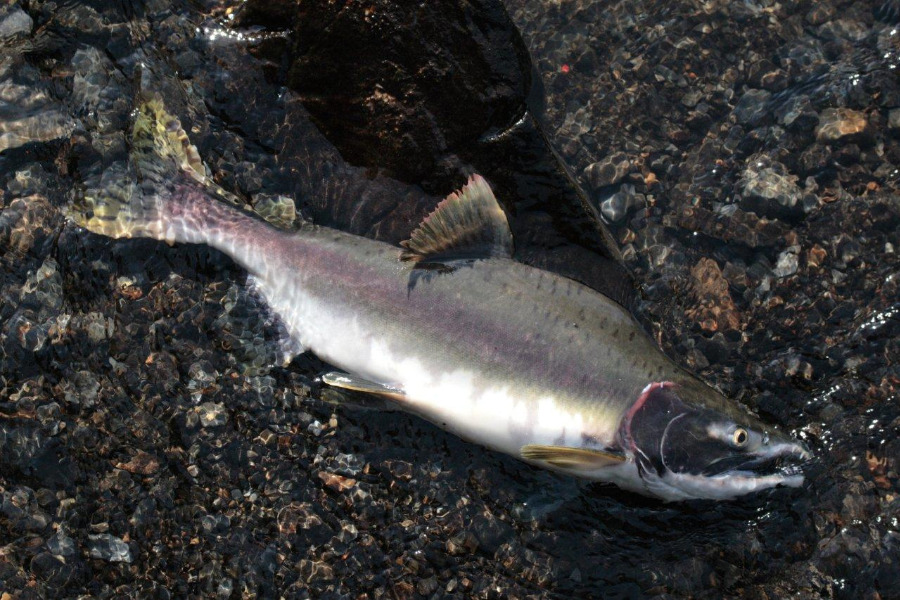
(52, 570)
(617, 206)
(82, 388)
(36, 117)
(280, 211)
(14, 22)
(788, 262)
(108, 547)
(60, 544)
(752, 108)
(100, 90)
(894, 119)
(797, 114)
(142, 463)
(211, 414)
(609, 171)
(27, 223)
(768, 190)
(715, 310)
(842, 125)
(43, 290)
(731, 224)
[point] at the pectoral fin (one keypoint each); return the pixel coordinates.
(355, 383)
(571, 458)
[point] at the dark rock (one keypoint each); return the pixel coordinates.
(617, 206)
(14, 22)
(752, 109)
(434, 96)
(842, 125)
(609, 171)
(768, 190)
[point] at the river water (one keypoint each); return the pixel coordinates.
(744, 157)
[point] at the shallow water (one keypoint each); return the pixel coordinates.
(148, 447)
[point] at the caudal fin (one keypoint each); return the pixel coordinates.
(142, 197)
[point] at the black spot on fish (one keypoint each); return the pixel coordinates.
(589, 440)
(561, 440)
(630, 336)
(426, 271)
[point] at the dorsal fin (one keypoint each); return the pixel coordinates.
(466, 224)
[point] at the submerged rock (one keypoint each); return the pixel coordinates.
(768, 190)
(715, 310)
(109, 548)
(842, 125)
(14, 22)
(609, 171)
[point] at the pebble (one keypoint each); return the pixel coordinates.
(714, 310)
(60, 544)
(212, 414)
(14, 22)
(894, 119)
(278, 210)
(753, 108)
(617, 206)
(841, 125)
(609, 171)
(108, 547)
(768, 190)
(788, 262)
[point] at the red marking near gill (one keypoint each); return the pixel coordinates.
(625, 427)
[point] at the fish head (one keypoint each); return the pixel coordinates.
(685, 450)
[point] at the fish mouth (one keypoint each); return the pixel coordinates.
(780, 460)
(780, 465)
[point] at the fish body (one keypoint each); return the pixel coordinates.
(495, 351)
(511, 357)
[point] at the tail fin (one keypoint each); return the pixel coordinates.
(136, 198)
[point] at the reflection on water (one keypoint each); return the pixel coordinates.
(745, 156)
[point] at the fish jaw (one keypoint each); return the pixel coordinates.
(684, 452)
(729, 485)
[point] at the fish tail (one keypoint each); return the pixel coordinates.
(161, 192)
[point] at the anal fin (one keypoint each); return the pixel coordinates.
(571, 458)
(355, 383)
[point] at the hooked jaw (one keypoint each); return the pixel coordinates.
(774, 465)
(684, 452)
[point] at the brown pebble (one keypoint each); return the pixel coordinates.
(815, 256)
(141, 463)
(714, 310)
(337, 483)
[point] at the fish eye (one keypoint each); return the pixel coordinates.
(740, 437)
